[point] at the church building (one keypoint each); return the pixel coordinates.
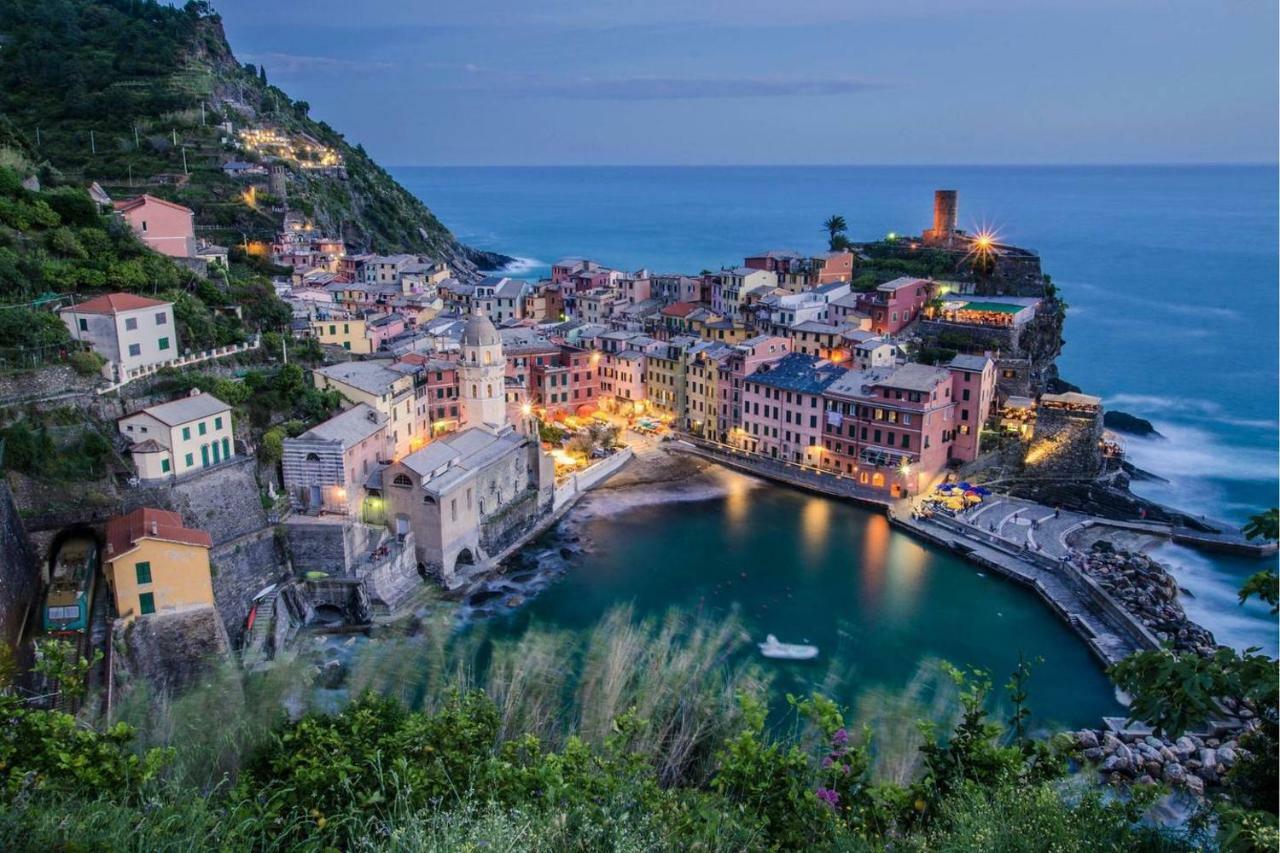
(468, 496)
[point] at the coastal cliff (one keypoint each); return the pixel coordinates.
(145, 97)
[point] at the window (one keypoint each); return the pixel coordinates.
(217, 422)
(131, 324)
(135, 349)
(162, 319)
(163, 344)
(201, 428)
(84, 325)
(164, 466)
(453, 509)
(186, 433)
(143, 571)
(190, 460)
(147, 603)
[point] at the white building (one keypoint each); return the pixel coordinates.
(482, 375)
(181, 436)
(466, 496)
(128, 330)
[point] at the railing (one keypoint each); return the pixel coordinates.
(182, 361)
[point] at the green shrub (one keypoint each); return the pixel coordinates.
(86, 362)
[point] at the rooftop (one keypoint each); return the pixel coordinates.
(444, 463)
(114, 303)
(901, 283)
(124, 531)
(349, 428)
(372, 377)
(186, 409)
(970, 362)
(798, 372)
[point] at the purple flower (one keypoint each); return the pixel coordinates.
(840, 738)
(829, 797)
(844, 768)
(826, 762)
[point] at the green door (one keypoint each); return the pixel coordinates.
(217, 453)
(147, 603)
(226, 448)
(204, 455)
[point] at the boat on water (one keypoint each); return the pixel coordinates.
(772, 648)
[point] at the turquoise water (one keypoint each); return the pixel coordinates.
(1170, 273)
(876, 602)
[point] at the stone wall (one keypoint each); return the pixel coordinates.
(240, 570)
(225, 501)
(19, 570)
(330, 544)
(168, 651)
(1065, 443)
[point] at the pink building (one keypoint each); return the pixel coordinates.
(568, 383)
(783, 410)
(891, 428)
(622, 378)
(894, 304)
(747, 357)
(165, 227)
(381, 328)
(973, 388)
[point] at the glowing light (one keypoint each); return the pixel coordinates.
(905, 469)
(526, 410)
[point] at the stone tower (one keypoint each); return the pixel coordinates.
(944, 218)
(482, 375)
(279, 188)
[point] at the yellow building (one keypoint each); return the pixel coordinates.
(388, 388)
(184, 435)
(348, 334)
(664, 381)
(154, 563)
(703, 407)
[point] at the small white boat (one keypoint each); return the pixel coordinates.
(771, 648)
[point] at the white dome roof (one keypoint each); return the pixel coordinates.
(479, 332)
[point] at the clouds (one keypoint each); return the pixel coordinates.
(643, 88)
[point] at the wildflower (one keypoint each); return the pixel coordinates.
(826, 762)
(828, 796)
(840, 738)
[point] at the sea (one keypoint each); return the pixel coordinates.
(1170, 274)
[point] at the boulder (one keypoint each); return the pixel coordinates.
(1226, 756)
(1087, 739)
(1195, 785)
(1093, 753)
(1184, 746)
(1208, 757)
(1175, 773)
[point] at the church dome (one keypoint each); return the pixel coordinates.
(479, 332)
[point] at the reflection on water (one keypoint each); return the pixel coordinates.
(814, 521)
(876, 602)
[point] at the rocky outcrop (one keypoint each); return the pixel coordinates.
(19, 569)
(1191, 763)
(170, 650)
(1130, 424)
(1144, 588)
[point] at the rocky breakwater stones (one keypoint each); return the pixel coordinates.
(1190, 763)
(1144, 588)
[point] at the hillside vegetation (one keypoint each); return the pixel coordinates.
(134, 94)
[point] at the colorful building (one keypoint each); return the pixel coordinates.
(179, 437)
(127, 330)
(164, 226)
(154, 564)
(326, 468)
(783, 408)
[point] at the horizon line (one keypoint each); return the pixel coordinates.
(1067, 165)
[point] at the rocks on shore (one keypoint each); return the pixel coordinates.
(1190, 762)
(1130, 424)
(1144, 588)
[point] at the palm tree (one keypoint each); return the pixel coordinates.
(835, 224)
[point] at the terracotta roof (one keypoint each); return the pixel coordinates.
(131, 203)
(114, 303)
(679, 309)
(124, 531)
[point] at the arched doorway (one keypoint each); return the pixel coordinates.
(465, 558)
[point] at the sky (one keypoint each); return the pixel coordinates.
(675, 82)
